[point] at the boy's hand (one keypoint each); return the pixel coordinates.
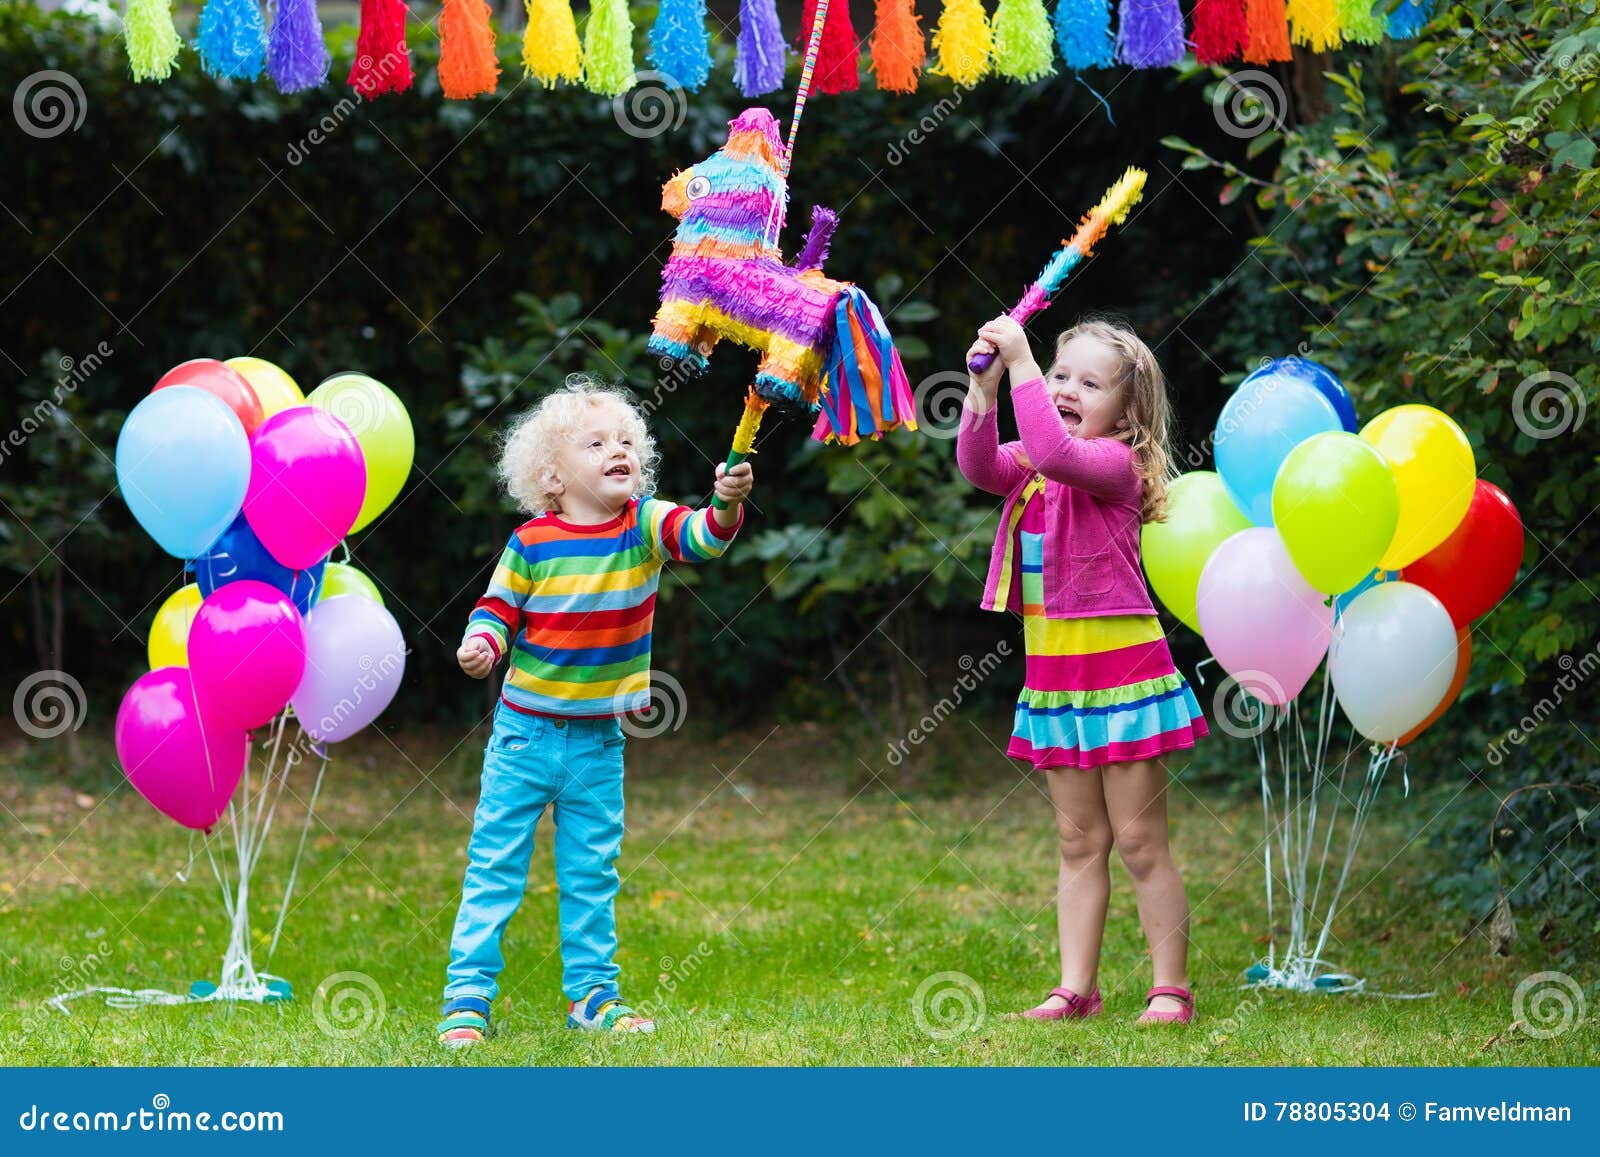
(476, 658)
(1007, 337)
(986, 386)
(733, 486)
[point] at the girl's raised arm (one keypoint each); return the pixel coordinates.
(1102, 466)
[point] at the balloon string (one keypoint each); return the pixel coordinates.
(294, 869)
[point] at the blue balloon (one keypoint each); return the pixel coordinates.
(183, 465)
(1325, 380)
(1264, 420)
(238, 554)
(1340, 602)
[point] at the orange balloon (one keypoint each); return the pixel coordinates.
(1463, 661)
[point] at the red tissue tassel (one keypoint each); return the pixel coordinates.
(1219, 30)
(383, 62)
(837, 69)
(1267, 33)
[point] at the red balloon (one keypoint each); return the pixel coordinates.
(1471, 570)
(225, 382)
(1463, 662)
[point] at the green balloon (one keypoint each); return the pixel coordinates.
(1200, 515)
(1336, 504)
(381, 425)
(341, 579)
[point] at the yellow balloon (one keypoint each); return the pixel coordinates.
(1435, 472)
(381, 425)
(169, 634)
(342, 579)
(276, 389)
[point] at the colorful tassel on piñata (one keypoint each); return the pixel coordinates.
(383, 62)
(679, 44)
(1219, 31)
(608, 48)
(550, 50)
(838, 58)
(897, 46)
(1267, 32)
(1022, 41)
(1314, 23)
(1363, 21)
(1406, 21)
(962, 42)
(865, 390)
(1083, 34)
(297, 59)
(232, 40)
(468, 66)
(1150, 33)
(758, 69)
(151, 40)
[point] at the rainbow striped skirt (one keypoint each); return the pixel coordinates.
(1097, 690)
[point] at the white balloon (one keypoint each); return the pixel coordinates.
(1393, 658)
(355, 657)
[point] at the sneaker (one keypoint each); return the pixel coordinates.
(603, 1011)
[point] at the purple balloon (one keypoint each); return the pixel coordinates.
(185, 764)
(355, 657)
(247, 652)
(1264, 623)
(307, 480)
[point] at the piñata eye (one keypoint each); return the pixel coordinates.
(697, 188)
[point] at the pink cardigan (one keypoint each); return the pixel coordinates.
(1092, 496)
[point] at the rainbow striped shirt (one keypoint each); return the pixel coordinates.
(579, 602)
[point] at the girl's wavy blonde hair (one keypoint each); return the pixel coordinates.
(537, 436)
(1145, 406)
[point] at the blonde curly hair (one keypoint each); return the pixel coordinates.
(1145, 407)
(535, 439)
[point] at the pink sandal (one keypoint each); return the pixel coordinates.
(1076, 1008)
(1183, 1016)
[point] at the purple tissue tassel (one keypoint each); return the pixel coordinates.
(1150, 34)
(296, 56)
(759, 66)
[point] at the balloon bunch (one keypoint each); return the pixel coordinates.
(228, 467)
(1375, 546)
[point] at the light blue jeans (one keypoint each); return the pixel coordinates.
(531, 761)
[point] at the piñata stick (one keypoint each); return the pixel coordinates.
(1112, 210)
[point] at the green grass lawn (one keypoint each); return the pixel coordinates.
(777, 908)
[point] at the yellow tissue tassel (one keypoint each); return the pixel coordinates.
(962, 42)
(550, 49)
(1315, 23)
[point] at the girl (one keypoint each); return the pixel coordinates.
(1102, 703)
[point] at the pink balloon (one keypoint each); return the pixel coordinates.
(247, 652)
(307, 480)
(1264, 623)
(186, 766)
(355, 657)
